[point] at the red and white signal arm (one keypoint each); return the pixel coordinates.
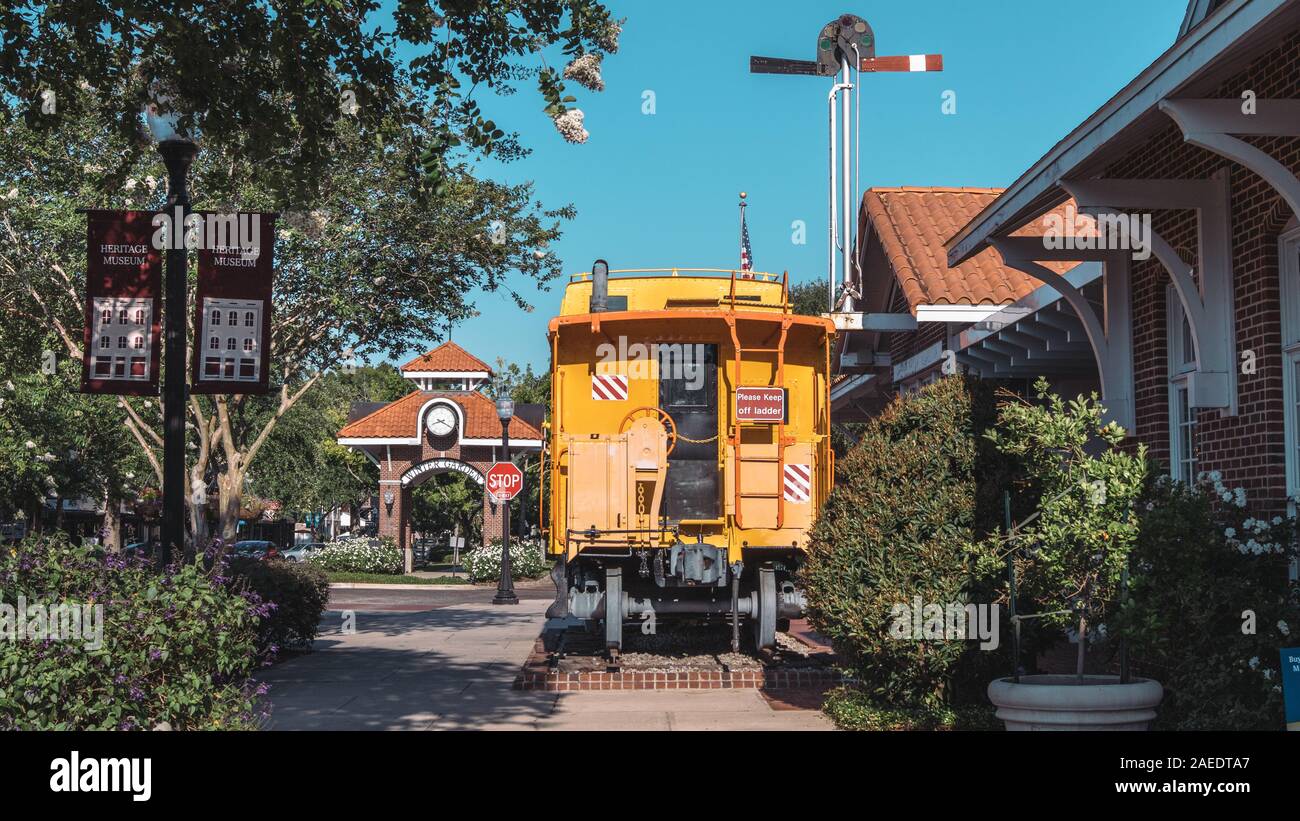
(504, 480)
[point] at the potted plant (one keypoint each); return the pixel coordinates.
(1070, 556)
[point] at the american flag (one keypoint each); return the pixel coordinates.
(746, 255)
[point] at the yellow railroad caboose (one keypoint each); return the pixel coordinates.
(688, 448)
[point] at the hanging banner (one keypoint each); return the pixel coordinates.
(122, 332)
(232, 304)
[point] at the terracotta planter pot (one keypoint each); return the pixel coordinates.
(1062, 702)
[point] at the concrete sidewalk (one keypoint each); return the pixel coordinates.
(451, 668)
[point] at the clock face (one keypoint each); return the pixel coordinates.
(441, 420)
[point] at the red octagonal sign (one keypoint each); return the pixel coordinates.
(504, 481)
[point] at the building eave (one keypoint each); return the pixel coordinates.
(1037, 190)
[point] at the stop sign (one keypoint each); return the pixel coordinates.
(504, 481)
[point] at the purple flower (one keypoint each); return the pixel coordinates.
(154, 655)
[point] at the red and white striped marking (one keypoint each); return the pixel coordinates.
(608, 387)
(798, 483)
(903, 62)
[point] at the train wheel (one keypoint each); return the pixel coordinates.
(614, 609)
(765, 623)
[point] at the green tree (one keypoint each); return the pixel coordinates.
(276, 83)
(808, 298)
(53, 447)
(448, 503)
(379, 265)
(302, 465)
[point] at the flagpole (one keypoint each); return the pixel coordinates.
(742, 229)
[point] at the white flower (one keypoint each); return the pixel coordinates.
(1248, 523)
(585, 71)
(608, 37)
(29, 444)
(569, 124)
(12, 195)
(1230, 532)
(1277, 520)
(1268, 674)
(130, 185)
(1240, 495)
(1215, 476)
(1284, 628)
(1254, 662)
(1226, 496)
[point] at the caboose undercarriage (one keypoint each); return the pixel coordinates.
(634, 590)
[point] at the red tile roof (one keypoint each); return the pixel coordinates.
(446, 357)
(398, 419)
(914, 222)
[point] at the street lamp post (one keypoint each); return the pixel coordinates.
(505, 585)
(178, 155)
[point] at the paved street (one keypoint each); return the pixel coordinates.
(446, 659)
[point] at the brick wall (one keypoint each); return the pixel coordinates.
(1248, 448)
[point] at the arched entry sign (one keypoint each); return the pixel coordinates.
(440, 466)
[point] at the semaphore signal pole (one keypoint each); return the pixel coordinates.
(845, 43)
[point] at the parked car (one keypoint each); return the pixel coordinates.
(255, 549)
(145, 549)
(300, 552)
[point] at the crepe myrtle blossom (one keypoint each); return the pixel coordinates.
(1254, 662)
(608, 37)
(1230, 532)
(1284, 628)
(569, 124)
(585, 71)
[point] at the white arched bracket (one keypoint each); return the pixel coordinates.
(1210, 124)
(1110, 335)
(1207, 300)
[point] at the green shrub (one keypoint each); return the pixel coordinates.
(526, 561)
(1071, 553)
(299, 593)
(1200, 561)
(360, 555)
(177, 647)
(910, 502)
(852, 709)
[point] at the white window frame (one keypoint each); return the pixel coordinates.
(1182, 464)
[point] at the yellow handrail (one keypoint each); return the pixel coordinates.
(761, 276)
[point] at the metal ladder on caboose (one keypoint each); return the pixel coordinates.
(781, 440)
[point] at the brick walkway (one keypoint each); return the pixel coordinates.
(452, 666)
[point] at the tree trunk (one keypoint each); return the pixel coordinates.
(112, 522)
(231, 485)
(198, 508)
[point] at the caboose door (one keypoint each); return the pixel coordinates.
(688, 391)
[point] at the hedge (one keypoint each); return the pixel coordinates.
(176, 647)
(910, 502)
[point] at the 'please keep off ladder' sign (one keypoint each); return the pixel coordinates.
(504, 481)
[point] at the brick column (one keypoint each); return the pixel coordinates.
(392, 518)
(492, 516)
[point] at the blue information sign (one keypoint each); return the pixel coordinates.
(1291, 686)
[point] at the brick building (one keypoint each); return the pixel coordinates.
(445, 424)
(1184, 308)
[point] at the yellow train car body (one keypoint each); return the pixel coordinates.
(667, 442)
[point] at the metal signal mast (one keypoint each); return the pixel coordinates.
(846, 43)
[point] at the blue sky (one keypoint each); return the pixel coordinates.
(661, 190)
